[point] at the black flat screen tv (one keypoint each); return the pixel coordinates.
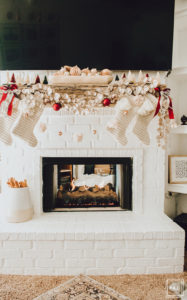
(114, 34)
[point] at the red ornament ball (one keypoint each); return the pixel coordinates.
(106, 102)
(56, 106)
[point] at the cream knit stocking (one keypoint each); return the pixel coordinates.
(6, 123)
(123, 116)
(144, 116)
(141, 128)
(26, 124)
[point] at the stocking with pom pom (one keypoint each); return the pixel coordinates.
(6, 123)
(122, 119)
(144, 116)
(8, 114)
(26, 124)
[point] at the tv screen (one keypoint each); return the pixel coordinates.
(114, 34)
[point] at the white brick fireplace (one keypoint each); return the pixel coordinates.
(21, 161)
(143, 240)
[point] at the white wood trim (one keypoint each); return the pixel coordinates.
(180, 72)
(182, 129)
(177, 188)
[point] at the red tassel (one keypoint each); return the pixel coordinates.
(124, 76)
(10, 107)
(158, 107)
(147, 75)
(37, 79)
(13, 78)
(157, 89)
(3, 98)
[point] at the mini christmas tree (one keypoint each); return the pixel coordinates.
(123, 76)
(117, 78)
(45, 80)
(37, 79)
(13, 78)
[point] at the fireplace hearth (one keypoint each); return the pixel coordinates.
(87, 183)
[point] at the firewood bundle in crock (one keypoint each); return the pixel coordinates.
(13, 183)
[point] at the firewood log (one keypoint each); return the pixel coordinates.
(82, 189)
(59, 194)
(96, 189)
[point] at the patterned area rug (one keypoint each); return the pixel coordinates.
(81, 288)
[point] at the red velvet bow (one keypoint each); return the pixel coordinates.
(9, 87)
(170, 108)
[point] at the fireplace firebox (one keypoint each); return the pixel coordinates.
(87, 183)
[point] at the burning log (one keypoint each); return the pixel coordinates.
(72, 184)
(96, 189)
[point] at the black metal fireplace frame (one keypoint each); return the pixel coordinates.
(48, 162)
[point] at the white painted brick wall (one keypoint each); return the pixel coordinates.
(106, 253)
(78, 245)
(109, 244)
(10, 253)
(37, 253)
(132, 270)
(70, 253)
(114, 262)
(162, 270)
(170, 261)
(80, 262)
(179, 252)
(46, 262)
(57, 256)
(65, 244)
(14, 245)
(133, 262)
(47, 245)
(129, 253)
(17, 262)
(141, 244)
(166, 252)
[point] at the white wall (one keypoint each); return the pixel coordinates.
(178, 143)
(180, 31)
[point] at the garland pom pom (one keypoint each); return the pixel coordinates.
(123, 104)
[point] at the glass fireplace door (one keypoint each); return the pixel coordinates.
(87, 183)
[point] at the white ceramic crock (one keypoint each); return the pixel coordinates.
(18, 205)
